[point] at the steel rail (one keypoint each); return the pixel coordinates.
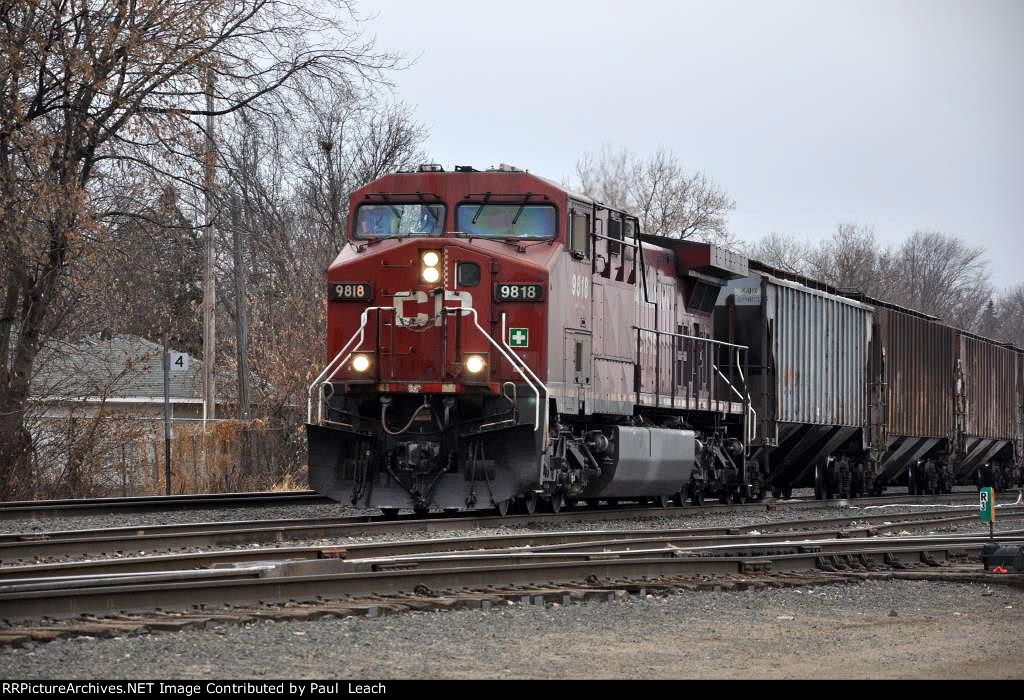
(27, 546)
(544, 541)
(11, 510)
(24, 605)
(767, 546)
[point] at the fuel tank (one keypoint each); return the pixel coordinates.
(645, 462)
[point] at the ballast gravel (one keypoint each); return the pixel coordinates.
(686, 520)
(867, 630)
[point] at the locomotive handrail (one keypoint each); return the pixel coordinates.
(512, 360)
(692, 337)
(727, 382)
(547, 392)
(752, 427)
(334, 364)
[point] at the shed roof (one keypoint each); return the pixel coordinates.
(114, 367)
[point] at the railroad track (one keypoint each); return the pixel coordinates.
(41, 510)
(845, 527)
(479, 567)
(10, 510)
(28, 547)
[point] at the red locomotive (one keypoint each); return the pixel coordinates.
(497, 340)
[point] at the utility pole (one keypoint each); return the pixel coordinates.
(209, 286)
(167, 415)
(242, 311)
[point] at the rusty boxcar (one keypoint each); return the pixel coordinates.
(988, 410)
(913, 429)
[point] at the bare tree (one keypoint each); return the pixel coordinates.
(291, 181)
(1010, 313)
(933, 272)
(606, 176)
(940, 275)
(668, 200)
(94, 89)
(785, 252)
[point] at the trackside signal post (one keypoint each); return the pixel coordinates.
(987, 508)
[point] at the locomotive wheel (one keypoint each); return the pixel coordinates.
(776, 492)
(697, 497)
(787, 492)
(503, 507)
(662, 501)
(530, 503)
(725, 498)
(679, 499)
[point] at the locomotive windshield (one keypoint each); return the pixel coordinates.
(386, 220)
(507, 220)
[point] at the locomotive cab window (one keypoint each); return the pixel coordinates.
(490, 220)
(579, 242)
(614, 231)
(627, 269)
(388, 220)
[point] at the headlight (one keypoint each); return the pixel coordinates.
(431, 259)
(361, 363)
(475, 364)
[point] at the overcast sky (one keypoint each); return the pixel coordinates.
(902, 114)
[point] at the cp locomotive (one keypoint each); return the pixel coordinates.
(496, 340)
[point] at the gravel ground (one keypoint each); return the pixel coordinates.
(870, 630)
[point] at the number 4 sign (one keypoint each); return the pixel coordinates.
(179, 361)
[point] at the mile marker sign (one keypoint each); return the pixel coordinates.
(987, 505)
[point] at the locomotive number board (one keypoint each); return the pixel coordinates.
(519, 292)
(350, 291)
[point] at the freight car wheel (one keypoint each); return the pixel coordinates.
(787, 492)
(697, 497)
(389, 512)
(613, 503)
(725, 498)
(556, 503)
(662, 501)
(679, 499)
(592, 503)
(503, 507)
(776, 492)
(530, 503)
